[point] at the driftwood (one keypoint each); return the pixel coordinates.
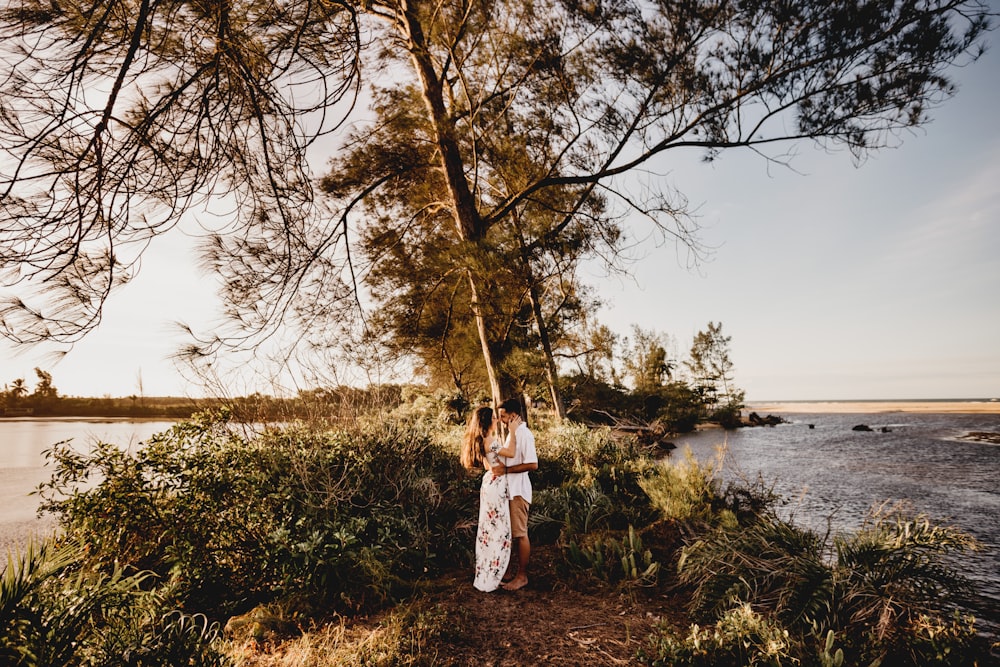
(651, 435)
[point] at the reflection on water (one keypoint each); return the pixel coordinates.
(22, 463)
(831, 472)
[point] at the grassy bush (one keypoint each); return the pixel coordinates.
(740, 638)
(407, 637)
(607, 494)
(591, 480)
(352, 518)
(683, 489)
(770, 562)
(889, 590)
(54, 614)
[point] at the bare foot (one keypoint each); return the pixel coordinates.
(516, 583)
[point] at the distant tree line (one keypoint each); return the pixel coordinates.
(609, 380)
(16, 398)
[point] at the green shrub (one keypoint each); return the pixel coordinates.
(895, 581)
(683, 489)
(588, 480)
(890, 589)
(740, 638)
(237, 519)
(771, 563)
(54, 614)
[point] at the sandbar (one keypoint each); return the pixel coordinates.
(821, 407)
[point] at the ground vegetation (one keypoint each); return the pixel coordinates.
(318, 545)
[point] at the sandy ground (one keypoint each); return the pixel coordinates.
(970, 407)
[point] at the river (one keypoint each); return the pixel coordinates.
(22, 463)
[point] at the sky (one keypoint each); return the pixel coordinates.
(834, 281)
(838, 282)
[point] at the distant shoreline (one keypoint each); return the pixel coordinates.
(984, 406)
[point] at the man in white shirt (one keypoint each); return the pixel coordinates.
(517, 468)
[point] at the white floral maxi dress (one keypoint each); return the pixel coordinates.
(493, 537)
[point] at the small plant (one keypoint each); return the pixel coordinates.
(638, 566)
(829, 657)
(741, 638)
(614, 561)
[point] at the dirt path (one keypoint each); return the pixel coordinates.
(551, 622)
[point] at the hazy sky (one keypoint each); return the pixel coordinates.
(834, 282)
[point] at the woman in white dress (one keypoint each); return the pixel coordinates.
(482, 449)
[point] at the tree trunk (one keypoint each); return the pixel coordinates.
(551, 371)
(484, 341)
(463, 206)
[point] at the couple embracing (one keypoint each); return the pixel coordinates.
(505, 494)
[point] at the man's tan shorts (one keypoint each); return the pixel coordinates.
(518, 517)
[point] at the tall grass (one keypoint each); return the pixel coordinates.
(889, 592)
(410, 636)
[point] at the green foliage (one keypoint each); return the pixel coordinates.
(646, 359)
(54, 614)
(729, 415)
(741, 638)
(888, 589)
(711, 368)
(771, 563)
(682, 490)
(570, 508)
(349, 517)
(895, 579)
(623, 561)
(588, 480)
(591, 400)
(573, 452)
(675, 404)
(678, 407)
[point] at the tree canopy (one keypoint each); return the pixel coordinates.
(519, 132)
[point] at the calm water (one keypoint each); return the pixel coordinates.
(22, 463)
(832, 471)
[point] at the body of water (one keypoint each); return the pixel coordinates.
(22, 463)
(829, 472)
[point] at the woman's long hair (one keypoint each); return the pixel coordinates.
(474, 442)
